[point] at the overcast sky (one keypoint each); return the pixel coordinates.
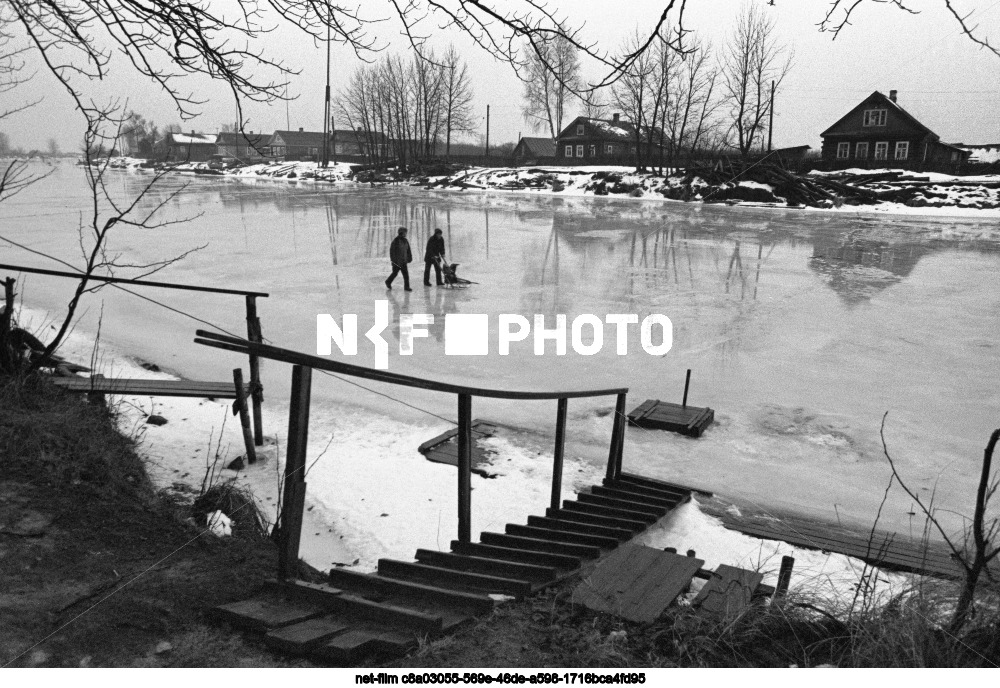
(944, 79)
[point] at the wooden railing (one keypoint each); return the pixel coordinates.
(293, 496)
(253, 322)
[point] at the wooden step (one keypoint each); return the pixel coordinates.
(574, 526)
(492, 567)
(615, 503)
(351, 646)
(613, 512)
(458, 579)
(358, 608)
(303, 637)
(267, 611)
(545, 533)
(658, 484)
(634, 497)
(365, 585)
(649, 487)
(625, 524)
(642, 498)
(524, 556)
(534, 544)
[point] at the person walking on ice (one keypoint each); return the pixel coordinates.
(434, 255)
(400, 255)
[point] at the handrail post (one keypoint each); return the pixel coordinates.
(241, 408)
(617, 440)
(465, 468)
(294, 494)
(256, 391)
(557, 459)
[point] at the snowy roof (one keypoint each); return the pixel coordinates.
(193, 138)
(610, 128)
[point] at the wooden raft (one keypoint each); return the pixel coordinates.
(151, 388)
(663, 415)
(444, 447)
(881, 548)
(358, 615)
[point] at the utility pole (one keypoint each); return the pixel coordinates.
(770, 124)
(288, 119)
(487, 131)
(333, 140)
(326, 105)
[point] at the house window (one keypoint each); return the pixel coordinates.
(593, 150)
(579, 151)
(610, 149)
(874, 118)
(882, 150)
(861, 151)
(569, 151)
(902, 150)
(579, 130)
(954, 156)
(843, 150)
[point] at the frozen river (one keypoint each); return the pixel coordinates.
(801, 328)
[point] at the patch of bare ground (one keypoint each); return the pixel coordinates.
(96, 567)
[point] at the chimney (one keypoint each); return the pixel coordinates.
(617, 116)
(300, 128)
(892, 95)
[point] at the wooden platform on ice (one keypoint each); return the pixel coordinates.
(148, 388)
(444, 447)
(663, 415)
(878, 548)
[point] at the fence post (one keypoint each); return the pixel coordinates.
(241, 407)
(617, 440)
(293, 496)
(256, 391)
(557, 460)
(8, 312)
(464, 468)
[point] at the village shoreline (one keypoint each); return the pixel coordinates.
(492, 181)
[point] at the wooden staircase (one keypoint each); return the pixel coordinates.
(357, 616)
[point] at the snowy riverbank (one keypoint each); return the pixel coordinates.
(929, 193)
(360, 511)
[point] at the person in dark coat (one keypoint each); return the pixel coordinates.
(434, 255)
(400, 255)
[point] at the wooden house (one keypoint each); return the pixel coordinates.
(534, 150)
(878, 132)
(296, 145)
(179, 147)
(592, 141)
(244, 147)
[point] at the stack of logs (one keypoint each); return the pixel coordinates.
(794, 188)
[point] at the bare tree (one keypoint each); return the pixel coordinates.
(638, 95)
(690, 114)
(839, 13)
(52, 147)
(752, 61)
(594, 105)
(457, 96)
(552, 78)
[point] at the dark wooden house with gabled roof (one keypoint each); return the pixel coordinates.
(244, 147)
(592, 141)
(296, 145)
(878, 132)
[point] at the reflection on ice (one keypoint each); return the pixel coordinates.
(802, 329)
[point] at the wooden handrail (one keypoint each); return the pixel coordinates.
(275, 353)
(123, 280)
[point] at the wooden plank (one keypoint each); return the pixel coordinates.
(525, 556)
(268, 611)
(636, 582)
(139, 387)
(300, 638)
(538, 573)
(557, 456)
(534, 544)
(365, 584)
(456, 579)
(729, 591)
